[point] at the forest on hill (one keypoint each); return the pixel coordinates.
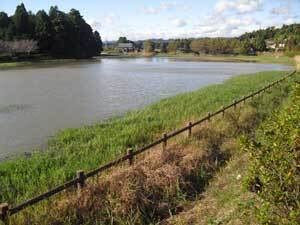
(285, 39)
(57, 34)
(287, 34)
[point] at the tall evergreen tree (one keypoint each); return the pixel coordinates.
(57, 34)
(4, 22)
(31, 25)
(99, 44)
(21, 22)
(10, 33)
(43, 31)
(83, 41)
(61, 34)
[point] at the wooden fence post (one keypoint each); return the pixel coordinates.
(81, 181)
(234, 104)
(223, 111)
(164, 144)
(4, 212)
(129, 153)
(208, 116)
(190, 129)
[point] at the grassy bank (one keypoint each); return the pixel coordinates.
(225, 201)
(88, 147)
(260, 184)
(162, 183)
(274, 170)
(239, 58)
(43, 62)
(190, 57)
(285, 60)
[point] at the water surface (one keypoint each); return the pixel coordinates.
(37, 102)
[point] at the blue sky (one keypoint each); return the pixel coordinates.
(141, 19)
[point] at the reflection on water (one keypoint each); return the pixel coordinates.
(13, 108)
(36, 102)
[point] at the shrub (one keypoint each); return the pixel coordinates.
(275, 165)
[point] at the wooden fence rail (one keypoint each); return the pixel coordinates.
(79, 181)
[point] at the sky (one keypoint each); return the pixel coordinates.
(141, 19)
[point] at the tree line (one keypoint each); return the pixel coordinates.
(248, 43)
(287, 34)
(206, 46)
(58, 34)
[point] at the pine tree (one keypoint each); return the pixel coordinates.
(21, 22)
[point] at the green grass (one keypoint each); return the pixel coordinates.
(12, 65)
(227, 200)
(88, 147)
(239, 58)
(183, 56)
(274, 165)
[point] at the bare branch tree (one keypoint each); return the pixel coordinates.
(27, 46)
(3, 46)
(20, 46)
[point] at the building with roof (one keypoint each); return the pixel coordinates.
(126, 47)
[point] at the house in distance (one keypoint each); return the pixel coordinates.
(126, 47)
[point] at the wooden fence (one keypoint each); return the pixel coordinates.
(81, 176)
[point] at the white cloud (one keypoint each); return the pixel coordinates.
(179, 22)
(110, 19)
(229, 18)
(151, 10)
(226, 26)
(167, 6)
(241, 6)
(244, 21)
(280, 11)
(164, 7)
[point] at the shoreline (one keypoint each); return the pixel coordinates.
(42, 62)
(284, 60)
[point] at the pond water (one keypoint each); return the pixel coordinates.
(37, 102)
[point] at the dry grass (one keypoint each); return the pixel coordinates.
(148, 54)
(155, 187)
(225, 201)
(147, 190)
